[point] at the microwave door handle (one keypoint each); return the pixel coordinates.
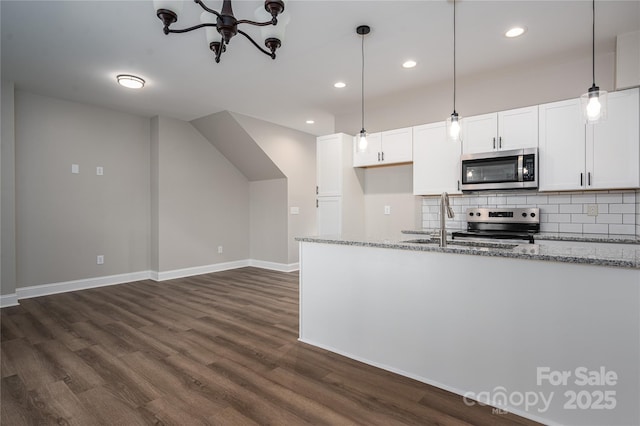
(520, 168)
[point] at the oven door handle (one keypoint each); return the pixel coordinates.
(520, 168)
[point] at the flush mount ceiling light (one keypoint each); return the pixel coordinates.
(310, 121)
(453, 122)
(409, 64)
(340, 85)
(222, 26)
(362, 30)
(515, 32)
(594, 102)
(130, 81)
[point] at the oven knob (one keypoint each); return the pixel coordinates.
(533, 215)
(471, 214)
(524, 215)
(478, 214)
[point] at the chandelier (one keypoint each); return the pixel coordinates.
(222, 26)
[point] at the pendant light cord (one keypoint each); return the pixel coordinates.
(362, 78)
(454, 55)
(593, 40)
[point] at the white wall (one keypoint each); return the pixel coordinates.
(294, 153)
(8, 196)
(202, 200)
(268, 221)
(64, 220)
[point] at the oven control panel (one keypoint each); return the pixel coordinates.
(504, 215)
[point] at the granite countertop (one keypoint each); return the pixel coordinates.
(623, 254)
(560, 236)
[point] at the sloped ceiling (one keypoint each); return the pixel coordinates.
(228, 136)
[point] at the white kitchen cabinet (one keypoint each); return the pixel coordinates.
(613, 146)
(329, 215)
(504, 130)
(339, 190)
(578, 156)
(389, 147)
(436, 160)
(561, 150)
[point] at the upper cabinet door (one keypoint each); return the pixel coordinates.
(613, 145)
(562, 146)
(397, 146)
(518, 128)
(371, 155)
(479, 133)
(436, 160)
(329, 165)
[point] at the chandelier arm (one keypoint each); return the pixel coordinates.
(266, 52)
(195, 27)
(274, 21)
(206, 8)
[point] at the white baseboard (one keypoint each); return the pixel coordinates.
(198, 270)
(7, 300)
(63, 287)
(280, 267)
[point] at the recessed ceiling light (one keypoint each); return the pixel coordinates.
(130, 81)
(310, 121)
(515, 32)
(340, 85)
(409, 64)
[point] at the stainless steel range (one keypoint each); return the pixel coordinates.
(512, 224)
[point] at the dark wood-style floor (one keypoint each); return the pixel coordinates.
(213, 349)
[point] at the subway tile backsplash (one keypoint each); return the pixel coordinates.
(618, 212)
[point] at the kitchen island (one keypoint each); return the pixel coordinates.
(518, 328)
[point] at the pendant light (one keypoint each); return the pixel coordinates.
(362, 30)
(453, 122)
(594, 102)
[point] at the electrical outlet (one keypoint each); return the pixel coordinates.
(219, 249)
(100, 259)
(387, 209)
(592, 210)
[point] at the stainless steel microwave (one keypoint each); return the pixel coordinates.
(513, 169)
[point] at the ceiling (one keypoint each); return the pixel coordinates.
(74, 49)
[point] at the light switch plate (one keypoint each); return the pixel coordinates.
(295, 210)
(75, 169)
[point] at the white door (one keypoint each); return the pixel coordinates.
(613, 145)
(329, 215)
(479, 133)
(329, 165)
(562, 146)
(370, 156)
(518, 128)
(397, 146)
(436, 160)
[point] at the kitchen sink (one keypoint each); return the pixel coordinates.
(470, 244)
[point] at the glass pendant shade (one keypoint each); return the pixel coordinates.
(454, 130)
(272, 31)
(211, 32)
(173, 5)
(594, 105)
(362, 141)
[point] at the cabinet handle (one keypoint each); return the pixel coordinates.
(500, 142)
(378, 156)
(589, 178)
(316, 189)
(317, 203)
(494, 143)
(382, 156)
(581, 179)
(458, 185)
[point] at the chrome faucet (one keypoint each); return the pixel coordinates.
(445, 208)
